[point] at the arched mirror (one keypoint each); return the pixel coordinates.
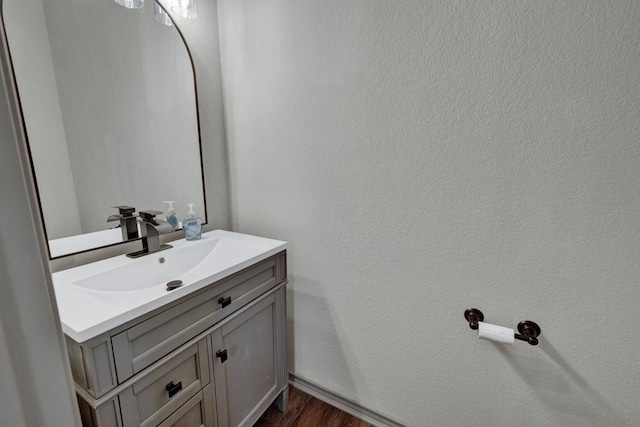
(110, 111)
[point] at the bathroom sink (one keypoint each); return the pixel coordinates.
(97, 297)
(153, 270)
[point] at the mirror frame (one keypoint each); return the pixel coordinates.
(28, 145)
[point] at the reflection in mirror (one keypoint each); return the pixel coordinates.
(109, 105)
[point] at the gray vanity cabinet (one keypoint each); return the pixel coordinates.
(216, 358)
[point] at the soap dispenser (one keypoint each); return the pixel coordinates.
(192, 225)
(171, 215)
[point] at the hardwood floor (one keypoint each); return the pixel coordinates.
(307, 411)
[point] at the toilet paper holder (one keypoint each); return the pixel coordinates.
(529, 330)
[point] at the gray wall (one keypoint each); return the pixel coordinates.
(36, 387)
(425, 157)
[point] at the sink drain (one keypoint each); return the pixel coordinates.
(174, 284)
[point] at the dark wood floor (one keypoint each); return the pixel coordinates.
(307, 411)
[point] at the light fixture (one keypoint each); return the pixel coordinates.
(187, 9)
(131, 4)
(161, 15)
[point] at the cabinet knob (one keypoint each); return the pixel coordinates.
(222, 354)
(172, 388)
(224, 301)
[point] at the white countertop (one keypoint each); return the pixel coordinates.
(88, 311)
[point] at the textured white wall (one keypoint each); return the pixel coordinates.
(423, 157)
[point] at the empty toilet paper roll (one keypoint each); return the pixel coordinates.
(496, 333)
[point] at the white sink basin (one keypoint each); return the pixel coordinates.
(97, 297)
(151, 270)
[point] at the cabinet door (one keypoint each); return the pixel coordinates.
(248, 362)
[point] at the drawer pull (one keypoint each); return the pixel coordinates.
(222, 355)
(224, 301)
(173, 388)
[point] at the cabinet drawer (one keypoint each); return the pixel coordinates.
(197, 412)
(141, 345)
(165, 388)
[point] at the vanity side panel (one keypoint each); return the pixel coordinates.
(92, 364)
(103, 367)
(282, 368)
(76, 361)
(281, 267)
(107, 415)
(87, 413)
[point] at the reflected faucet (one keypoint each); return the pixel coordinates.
(128, 222)
(151, 229)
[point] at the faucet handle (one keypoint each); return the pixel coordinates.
(125, 210)
(147, 216)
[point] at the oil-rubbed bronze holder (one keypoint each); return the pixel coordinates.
(529, 330)
(473, 316)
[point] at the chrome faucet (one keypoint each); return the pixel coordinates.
(128, 222)
(150, 231)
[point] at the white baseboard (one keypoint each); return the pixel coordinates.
(342, 403)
